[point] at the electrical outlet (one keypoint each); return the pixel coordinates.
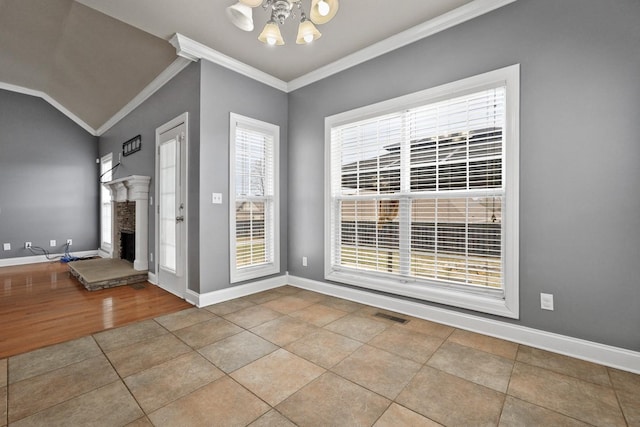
(27, 245)
(7, 246)
(52, 243)
(216, 198)
(304, 261)
(546, 301)
(69, 242)
(150, 256)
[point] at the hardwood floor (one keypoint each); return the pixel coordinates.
(43, 304)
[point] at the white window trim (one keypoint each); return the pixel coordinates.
(104, 246)
(507, 303)
(248, 273)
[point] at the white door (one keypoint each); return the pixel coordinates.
(171, 236)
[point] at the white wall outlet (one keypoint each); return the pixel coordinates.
(52, 243)
(304, 261)
(216, 198)
(69, 242)
(150, 256)
(546, 301)
(7, 246)
(150, 200)
(27, 245)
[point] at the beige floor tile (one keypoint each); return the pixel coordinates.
(111, 405)
(333, 401)
(377, 370)
(228, 307)
(627, 386)
(341, 304)
(473, 365)
(429, 328)
(207, 332)
(313, 297)
(220, 403)
(3, 406)
(127, 335)
(252, 316)
(399, 416)
(287, 304)
(237, 351)
(184, 318)
(502, 348)
(140, 422)
(588, 402)
(284, 330)
(277, 376)
(58, 386)
(357, 327)
(264, 296)
(406, 343)
(564, 365)
(47, 359)
(3, 373)
(450, 400)
(324, 348)
(517, 413)
(288, 290)
(318, 314)
(164, 383)
(272, 419)
(138, 357)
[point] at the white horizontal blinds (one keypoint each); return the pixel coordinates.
(419, 194)
(366, 175)
(254, 196)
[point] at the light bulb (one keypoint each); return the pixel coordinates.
(308, 38)
(271, 41)
(323, 8)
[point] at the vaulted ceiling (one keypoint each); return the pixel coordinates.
(92, 57)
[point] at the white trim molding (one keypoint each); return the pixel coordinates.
(8, 262)
(614, 357)
(222, 295)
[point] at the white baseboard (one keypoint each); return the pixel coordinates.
(614, 357)
(214, 297)
(8, 262)
(152, 278)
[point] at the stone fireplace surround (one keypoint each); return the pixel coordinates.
(130, 201)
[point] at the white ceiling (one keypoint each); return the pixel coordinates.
(358, 24)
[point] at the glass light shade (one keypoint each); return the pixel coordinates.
(271, 34)
(252, 3)
(320, 18)
(241, 16)
(307, 32)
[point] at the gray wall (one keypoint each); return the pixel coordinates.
(224, 92)
(181, 94)
(580, 152)
(48, 178)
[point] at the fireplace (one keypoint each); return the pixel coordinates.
(130, 219)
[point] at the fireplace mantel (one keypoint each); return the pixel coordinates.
(133, 188)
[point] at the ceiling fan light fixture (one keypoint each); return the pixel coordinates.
(323, 11)
(241, 16)
(271, 34)
(307, 32)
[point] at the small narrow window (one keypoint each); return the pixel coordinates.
(254, 201)
(106, 166)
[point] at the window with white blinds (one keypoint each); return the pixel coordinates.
(422, 194)
(106, 166)
(254, 198)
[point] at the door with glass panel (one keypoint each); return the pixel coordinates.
(171, 206)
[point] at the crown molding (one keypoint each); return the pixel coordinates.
(167, 74)
(192, 50)
(55, 104)
(428, 28)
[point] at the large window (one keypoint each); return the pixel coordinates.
(254, 205)
(422, 194)
(106, 167)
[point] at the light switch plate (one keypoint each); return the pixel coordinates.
(546, 301)
(7, 246)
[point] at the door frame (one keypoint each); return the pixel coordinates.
(181, 119)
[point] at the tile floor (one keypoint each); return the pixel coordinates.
(293, 357)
